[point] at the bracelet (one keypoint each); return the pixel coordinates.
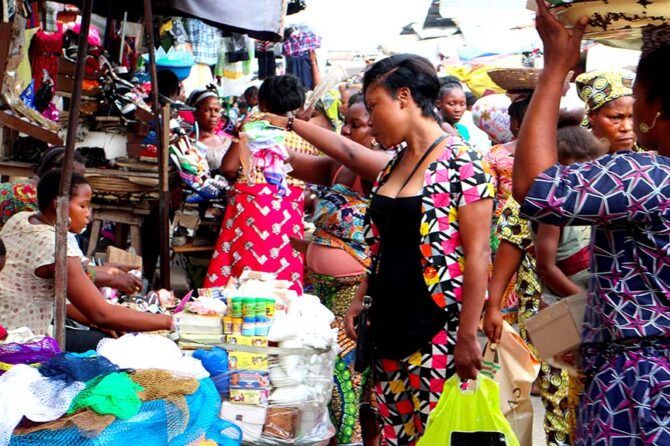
(90, 272)
(289, 123)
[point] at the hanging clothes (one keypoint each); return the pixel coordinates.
(301, 67)
(45, 50)
(296, 48)
(265, 53)
(204, 41)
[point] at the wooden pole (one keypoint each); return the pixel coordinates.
(63, 201)
(164, 194)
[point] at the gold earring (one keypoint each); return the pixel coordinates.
(644, 128)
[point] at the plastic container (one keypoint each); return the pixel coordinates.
(228, 325)
(262, 326)
(249, 326)
(260, 307)
(269, 305)
(237, 325)
(236, 307)
(248, 307)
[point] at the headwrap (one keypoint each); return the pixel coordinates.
(597, 88)
(198, 95)
(490, 114)
(653, 38)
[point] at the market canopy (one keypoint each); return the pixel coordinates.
(260, 19)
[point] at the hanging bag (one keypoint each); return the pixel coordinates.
(514, 367)
(468, 416)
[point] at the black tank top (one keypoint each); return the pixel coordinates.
(403, 316)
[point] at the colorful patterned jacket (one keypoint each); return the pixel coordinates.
(457, 178)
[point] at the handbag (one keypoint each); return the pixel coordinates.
(364, 347)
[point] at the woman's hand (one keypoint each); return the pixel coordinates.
(275, 120)
(127, 283)
(354, 310)
(561, 47)
(467, 356)
(493, 323)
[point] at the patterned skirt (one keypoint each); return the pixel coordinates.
(351, 389)
(256, 232)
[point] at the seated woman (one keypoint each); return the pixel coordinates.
(20, 196)
(27, 281)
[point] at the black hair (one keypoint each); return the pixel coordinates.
(651, 72)
(3, 250)
(444, 80)
(196, 94)
(518, 108)
(54, 158)
(356, 99)
(410, 71)
(47, 188)
(446, 88)
(470, 99)
(250, 92)
(281, 94)
(577, 143)
(570, 117)
(168, 83)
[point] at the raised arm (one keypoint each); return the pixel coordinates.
(312, 169)
(536, 146)
(363, 161)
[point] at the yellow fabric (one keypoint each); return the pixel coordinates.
(476, 78)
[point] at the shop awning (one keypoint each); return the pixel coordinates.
(260, 19)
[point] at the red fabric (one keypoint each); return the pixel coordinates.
(256, 233)
(577, 262)
(45, 49)
(3, 333)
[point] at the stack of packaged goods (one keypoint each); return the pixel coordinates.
(202, 322)
(280, 353)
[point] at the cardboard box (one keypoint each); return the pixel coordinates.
(558, 328)
(256, 341)
(254, 397)
(249, 379)
(247, 361)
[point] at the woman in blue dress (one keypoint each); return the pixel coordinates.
(625, 196)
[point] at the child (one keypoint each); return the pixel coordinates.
(563, 254)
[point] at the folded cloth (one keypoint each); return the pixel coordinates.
(266, 143)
